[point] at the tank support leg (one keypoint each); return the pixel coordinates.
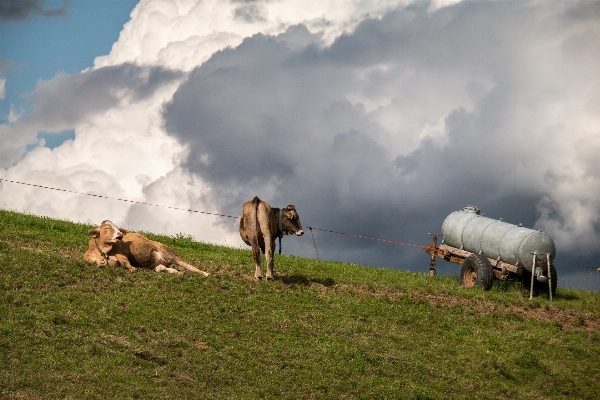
(549, 278)
(532, 277)
(432, 262)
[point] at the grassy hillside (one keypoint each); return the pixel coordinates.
(70, 330)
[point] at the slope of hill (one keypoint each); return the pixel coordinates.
(329, 330)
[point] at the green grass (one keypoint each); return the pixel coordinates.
(331, 330)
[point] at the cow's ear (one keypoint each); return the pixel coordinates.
(94, 232)
(123, 231)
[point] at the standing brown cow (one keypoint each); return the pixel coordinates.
(260, 225)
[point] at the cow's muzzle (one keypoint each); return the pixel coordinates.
(300, 232)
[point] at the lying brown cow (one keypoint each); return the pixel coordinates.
(110, 245)
(260, 225)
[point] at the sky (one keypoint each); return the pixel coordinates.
(376, 118)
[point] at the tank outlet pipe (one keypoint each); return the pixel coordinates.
(539, 275)
(549, 278)
(532, 276)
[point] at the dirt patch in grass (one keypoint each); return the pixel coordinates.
(33, 249)
(563, 319)
(572, 319)
(61, 252)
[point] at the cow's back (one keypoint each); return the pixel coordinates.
(140, 249)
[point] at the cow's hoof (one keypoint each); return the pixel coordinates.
(132, 269)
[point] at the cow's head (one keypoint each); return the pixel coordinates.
(107, 233)
(291, 221)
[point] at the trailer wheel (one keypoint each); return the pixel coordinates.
(539, 287)
(476, 271)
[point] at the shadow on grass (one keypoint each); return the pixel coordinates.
(306, 281)
(565, 296)
(516, 286)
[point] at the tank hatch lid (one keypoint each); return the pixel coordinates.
(472, 209)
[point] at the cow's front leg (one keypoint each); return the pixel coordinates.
(256, 257)
(123, 261)
(269, 251)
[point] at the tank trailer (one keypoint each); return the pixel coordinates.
(488, 249)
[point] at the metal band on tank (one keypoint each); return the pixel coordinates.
(450, 227)
(473, 233)
(462, 241)
(483, 233)
(513, 246)
(521, 248)
(500, 248)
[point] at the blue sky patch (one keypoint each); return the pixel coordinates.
(55, 139)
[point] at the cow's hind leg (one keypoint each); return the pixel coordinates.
(169, 270)
(164, 255)
(256, 256)
(190, 267)
(269, 252)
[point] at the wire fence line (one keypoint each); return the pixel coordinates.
(116, 198)
(237, 216)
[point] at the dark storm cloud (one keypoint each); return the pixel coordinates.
(293, 123)
(23, 9)
(239, 104)
(65, 100)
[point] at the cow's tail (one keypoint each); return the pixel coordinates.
(255, 228)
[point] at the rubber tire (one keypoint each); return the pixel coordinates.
(476, 271)
(539, 287)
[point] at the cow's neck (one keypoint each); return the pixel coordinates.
(279, 216)
(103, 248)
(279, 219)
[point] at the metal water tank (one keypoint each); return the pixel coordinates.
(468, 230)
